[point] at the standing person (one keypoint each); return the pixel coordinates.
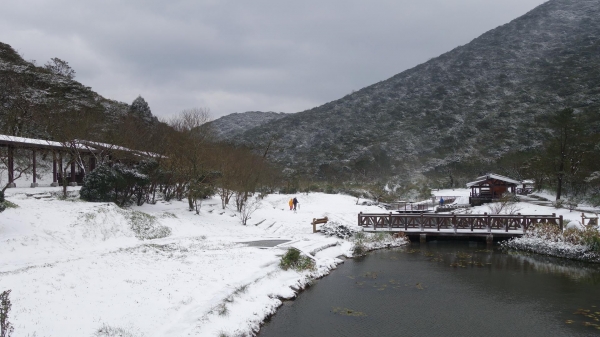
(441, 201)
(295, 201)
(291, 203)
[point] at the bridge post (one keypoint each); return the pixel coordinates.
(454, 223)
(489, 240)
(390, 222)
(423, 238)
(560, 220)
(487, 222)
(421, 222)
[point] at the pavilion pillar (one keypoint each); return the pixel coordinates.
(60, 169)
(11, 167)
(54, 175)
(92, 163)
(34, 167)
(73, 178)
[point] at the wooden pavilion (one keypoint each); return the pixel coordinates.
(87, 154)
(490, 187)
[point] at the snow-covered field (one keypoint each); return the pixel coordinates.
(78, 269)
(75, 267)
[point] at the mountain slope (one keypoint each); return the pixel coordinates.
(39, 102)
(476, 101)
(234, 124)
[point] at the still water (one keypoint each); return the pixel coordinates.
(447, 289)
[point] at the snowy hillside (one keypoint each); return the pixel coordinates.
(476, 102)
(231, 126)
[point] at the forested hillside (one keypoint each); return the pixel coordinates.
(469, 107)
(47, 102)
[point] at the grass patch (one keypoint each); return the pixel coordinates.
(110, 331)
(145, 226)
(294, 259)
(8, 204)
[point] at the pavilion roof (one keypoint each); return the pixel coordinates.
(494, 176)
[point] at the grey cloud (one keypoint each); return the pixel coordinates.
(234, 56)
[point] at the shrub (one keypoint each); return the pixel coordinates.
(6, 328)
(545, 230)
(558, 203)
(294, 259)
(98, 185)
(333, 228)
(2, 206)
(118, 184)
(359, 249)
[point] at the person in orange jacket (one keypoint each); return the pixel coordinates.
(291, 203)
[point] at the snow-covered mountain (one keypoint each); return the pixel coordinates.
(233, 125)
(475, 103)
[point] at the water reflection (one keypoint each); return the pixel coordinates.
(442, 289)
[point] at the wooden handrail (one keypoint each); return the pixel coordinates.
(469, 222)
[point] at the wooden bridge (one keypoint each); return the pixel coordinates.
(465, 225)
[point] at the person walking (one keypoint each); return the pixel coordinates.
(291, 203)
(295, 202)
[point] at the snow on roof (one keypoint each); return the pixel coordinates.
(5, 139)
(79, 143)
(493, 176)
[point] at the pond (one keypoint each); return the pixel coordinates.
(447, 289)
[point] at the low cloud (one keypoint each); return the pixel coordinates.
(232, 56)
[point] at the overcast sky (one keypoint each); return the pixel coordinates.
(236, 56)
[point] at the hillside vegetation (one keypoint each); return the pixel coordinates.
(462, 111)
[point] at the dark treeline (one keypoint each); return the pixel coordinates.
(565, 161)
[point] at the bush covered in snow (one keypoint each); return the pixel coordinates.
(574, 243)
(118, 183)
(334, 228)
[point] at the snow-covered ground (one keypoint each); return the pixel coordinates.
(75, 267)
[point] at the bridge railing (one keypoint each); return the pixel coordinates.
(468, 222)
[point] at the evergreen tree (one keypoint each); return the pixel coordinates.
(140, 109)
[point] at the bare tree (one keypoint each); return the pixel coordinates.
(507, 204)
(248, 208)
